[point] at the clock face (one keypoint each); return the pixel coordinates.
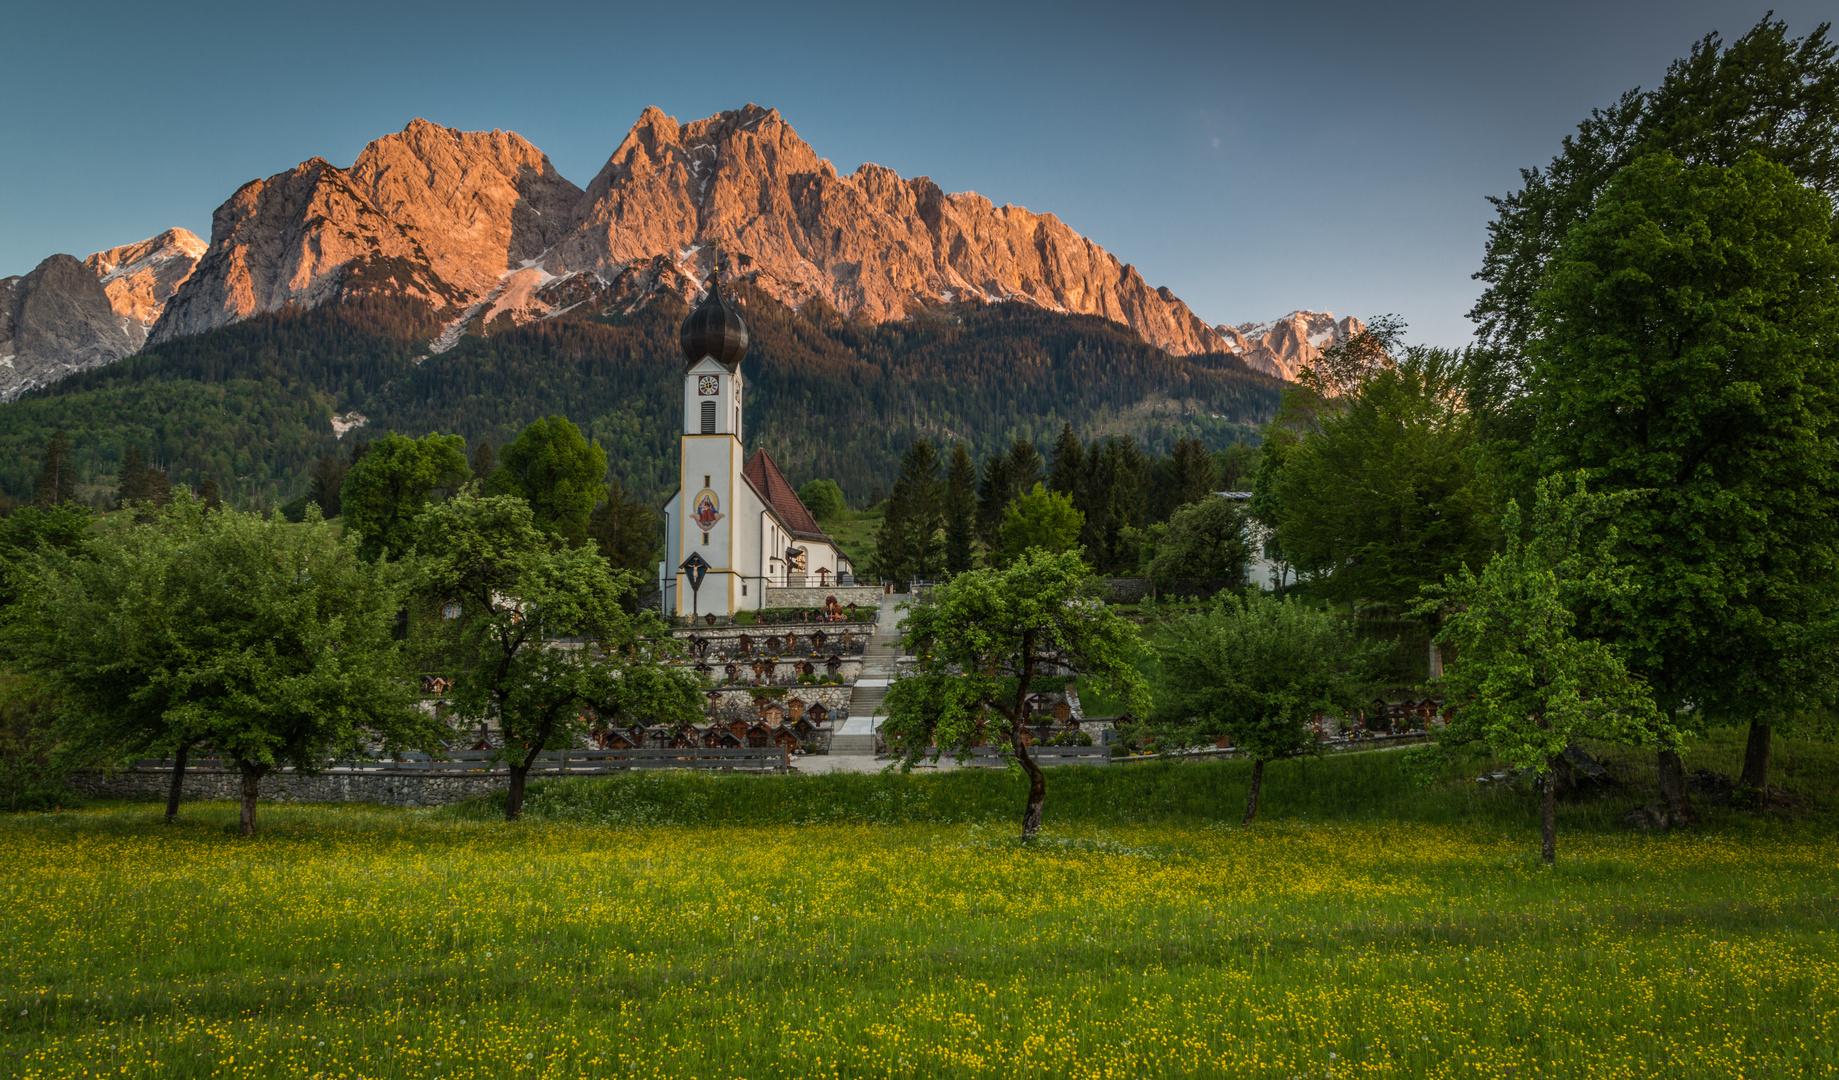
(709, 386)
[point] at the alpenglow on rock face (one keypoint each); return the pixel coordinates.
(68, 316)
(441, 214)
(140, 278)
(1282, 347)
(481, 225)
(871, 244)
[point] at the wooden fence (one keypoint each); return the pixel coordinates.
(990, 757)
(548, 763)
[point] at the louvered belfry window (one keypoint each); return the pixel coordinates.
(708, 418)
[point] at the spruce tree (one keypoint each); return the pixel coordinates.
(908, 546)
(57, 481)
(1024, 469)
(960, 510)
(131, 485)
(1069, 469)
(209, 494)
(1192, 473)
(485, 461)
(993, 494)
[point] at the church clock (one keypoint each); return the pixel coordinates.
(708, 386)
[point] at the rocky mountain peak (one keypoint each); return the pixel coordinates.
(446, 213)
(872, 245)
(55, 321)
(140, 278)
(1282, 347)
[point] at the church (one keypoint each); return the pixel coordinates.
(734, 527)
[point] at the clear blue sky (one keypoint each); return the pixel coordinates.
(1253, 158)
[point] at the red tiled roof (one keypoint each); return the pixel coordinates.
(764, 475)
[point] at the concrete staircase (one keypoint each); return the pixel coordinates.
(857, 735)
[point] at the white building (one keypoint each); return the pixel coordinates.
(733, 518)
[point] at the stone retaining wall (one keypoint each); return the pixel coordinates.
(738, 701)
(387, 788)
(811, 596)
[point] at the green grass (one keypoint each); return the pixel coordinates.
(855, 532)
(1387, 917)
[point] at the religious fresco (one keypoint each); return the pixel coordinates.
(706, 509)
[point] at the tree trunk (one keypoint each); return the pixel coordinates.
(178, 782)
(514, 798)
(1436, 661)
(1673, 788)
(252, 778)
(1548, 814)
(1756, 757)
(1251, 804)
(1037, 786)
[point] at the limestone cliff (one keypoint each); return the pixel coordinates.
(872, 244)
(55, 321)
(429, 212)
(1284, 346)
(140, 278)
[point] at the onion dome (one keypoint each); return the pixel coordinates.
(714, 329)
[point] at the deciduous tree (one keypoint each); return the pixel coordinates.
(1255, 670)
(982, 641)
(1685, 353)
(387, 488)
(551, 466)
(1041, 519)
(541, 635)
(1207, 540)
(1525, 682)
(273, 642)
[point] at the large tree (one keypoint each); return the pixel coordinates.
(541, 635)
(1255, 670)
(57, 478)
(388, 487)
(1041, 519)
(1687, 352)
(1764, 93)
(273, 642)
(1381, 495)
(982, 642)
(960, 511)
(908, 545)
(627, 531)
(1209, 540)
(551, 466)
(1525, 682)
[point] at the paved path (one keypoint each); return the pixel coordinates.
(856, 738)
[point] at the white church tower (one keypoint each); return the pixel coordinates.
(734, 522)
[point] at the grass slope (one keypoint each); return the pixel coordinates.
(1370, 927)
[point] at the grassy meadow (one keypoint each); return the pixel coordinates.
(1387, 917)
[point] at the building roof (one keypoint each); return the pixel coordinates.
(763, 473)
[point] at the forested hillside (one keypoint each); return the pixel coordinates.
(251, 405)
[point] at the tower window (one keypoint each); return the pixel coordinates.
(705, 539)
(705, 480)
(708, 418)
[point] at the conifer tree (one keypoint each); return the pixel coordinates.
(992, 498)
(1024, 469)
(1192, 475)
(908, 546)
(960, 510)
(57, 481)
(485, 461)
(1069, 468)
